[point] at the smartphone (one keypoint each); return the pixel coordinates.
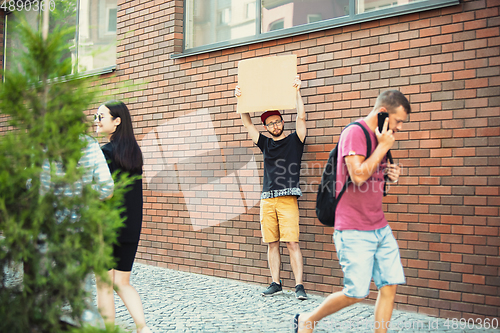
(381, 120)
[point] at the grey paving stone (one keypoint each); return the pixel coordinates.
(176, 301)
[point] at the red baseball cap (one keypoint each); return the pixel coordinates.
(266, 114)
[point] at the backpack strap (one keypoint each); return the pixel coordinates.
(386, 177)
(368, 140)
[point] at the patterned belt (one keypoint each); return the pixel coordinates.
(281, 193)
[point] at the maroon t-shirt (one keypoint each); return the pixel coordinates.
(360, 208)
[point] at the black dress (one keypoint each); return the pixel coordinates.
(128, 236)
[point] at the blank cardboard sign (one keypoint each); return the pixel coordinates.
(267, 83)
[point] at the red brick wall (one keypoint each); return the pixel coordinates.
(201, 210)
(202, 170)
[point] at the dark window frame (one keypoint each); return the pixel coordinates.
(343, 21)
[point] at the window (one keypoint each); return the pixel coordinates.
(225, 16)
(250, 10)
(311, 18)
(295, 12)
(215, 24)
(212, 21)
(111, 20)
(92, 46)
(276, 25)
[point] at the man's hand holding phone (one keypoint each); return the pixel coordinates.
(386, 136)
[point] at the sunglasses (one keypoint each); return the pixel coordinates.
(98, 117)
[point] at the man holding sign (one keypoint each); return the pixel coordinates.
(279, 211)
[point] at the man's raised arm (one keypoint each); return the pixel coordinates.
(300, 122)
(247, 121)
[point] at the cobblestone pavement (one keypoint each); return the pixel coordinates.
(176, 301)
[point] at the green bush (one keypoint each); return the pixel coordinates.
(44, 108)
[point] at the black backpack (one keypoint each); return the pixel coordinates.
(326, 202)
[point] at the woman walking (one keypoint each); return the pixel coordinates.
(123, 154)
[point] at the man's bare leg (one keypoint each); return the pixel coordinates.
(296, 261)
(273, 257)
(333, 303)
(384, 307)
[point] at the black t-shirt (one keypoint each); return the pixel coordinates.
(131, 232)
(282, 160)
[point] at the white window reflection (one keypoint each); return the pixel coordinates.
(92, 46)
(291, 13)
(250, 10)
(213, 21)
(12, 42)
(363, 6)
(97, 34)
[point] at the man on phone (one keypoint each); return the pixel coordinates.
(279, 211)
(365, 245)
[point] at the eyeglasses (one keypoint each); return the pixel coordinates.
(274, 124)
(98, 117)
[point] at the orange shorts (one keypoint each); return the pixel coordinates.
(279, 219)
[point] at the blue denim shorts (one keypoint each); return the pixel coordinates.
(364, 255)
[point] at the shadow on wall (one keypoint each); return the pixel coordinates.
(183, 154)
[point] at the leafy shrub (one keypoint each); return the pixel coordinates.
(45, 110)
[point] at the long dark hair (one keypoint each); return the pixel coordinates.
(126, 150)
